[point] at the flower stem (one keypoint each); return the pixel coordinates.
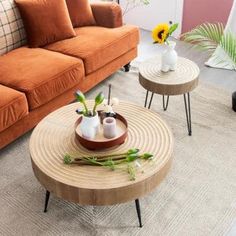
(86, 108)
(94, 109)
(100, 157)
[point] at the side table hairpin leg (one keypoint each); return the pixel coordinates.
(47, 196)
(165, 104)
(188, 113)
(146, 100)
(138, 212)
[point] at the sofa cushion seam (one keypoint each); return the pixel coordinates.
(13, 100)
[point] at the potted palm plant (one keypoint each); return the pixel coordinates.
(219, 42)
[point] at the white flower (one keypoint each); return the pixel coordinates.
(108, 109)
(115, 101)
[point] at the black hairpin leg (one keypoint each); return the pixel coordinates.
(46, 200)
(188, 113)
(150, 102)
(146, 98)
(138, 212)
(165, 104)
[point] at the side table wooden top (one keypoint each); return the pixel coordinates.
(54, 136)
(183, 80)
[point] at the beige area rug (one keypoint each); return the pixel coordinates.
(198, 197)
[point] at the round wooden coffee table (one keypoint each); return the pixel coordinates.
(54, 136)
(179, 82)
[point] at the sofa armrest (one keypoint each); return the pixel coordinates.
(107, 14)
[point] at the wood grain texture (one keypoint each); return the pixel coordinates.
(54, 136)
(183, 80)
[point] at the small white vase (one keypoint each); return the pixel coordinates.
(89, 126)
(169, 57)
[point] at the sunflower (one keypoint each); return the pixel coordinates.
(160, 33)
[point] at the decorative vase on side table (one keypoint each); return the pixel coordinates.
(160, 35)
(169, 57)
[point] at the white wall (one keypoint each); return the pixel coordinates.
(158, 11)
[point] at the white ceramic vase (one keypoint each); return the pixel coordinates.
(169, 57)
(89, 126)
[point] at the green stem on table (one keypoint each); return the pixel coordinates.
(130, 151)
(116, 158)
(111, 161)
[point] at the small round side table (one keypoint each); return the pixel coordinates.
(179, 82)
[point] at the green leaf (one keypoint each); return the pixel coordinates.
(110, 163)
(173, 28)
(80, 96)
(145, 2)
(228, 43)
(210, 36)
(67, 159)
(131, 157)
(133, 151)
(99, 98)
(147, 156)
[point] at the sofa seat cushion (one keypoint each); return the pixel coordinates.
(40, 74)
(13, 106)
(97, 46)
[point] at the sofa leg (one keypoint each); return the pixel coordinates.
(127, 67)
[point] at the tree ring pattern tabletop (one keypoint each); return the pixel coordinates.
(183, 80)
(54, 136)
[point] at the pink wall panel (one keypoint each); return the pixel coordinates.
(199, 11)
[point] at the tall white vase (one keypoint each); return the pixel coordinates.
(169, 57)
(89, 126)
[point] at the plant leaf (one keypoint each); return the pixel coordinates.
(133, 151)
(99, 98)
(173, 28)
(212, 38)
(80, 96)
(206, 36)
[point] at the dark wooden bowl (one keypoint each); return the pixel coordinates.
(98, 144)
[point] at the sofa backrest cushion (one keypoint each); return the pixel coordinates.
(45, 21)
(12, 33)
(80, 13)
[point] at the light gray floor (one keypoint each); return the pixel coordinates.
(221, 78)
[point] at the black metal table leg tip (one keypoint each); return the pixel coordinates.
(47, 196)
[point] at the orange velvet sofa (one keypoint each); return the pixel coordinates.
(36, 81)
